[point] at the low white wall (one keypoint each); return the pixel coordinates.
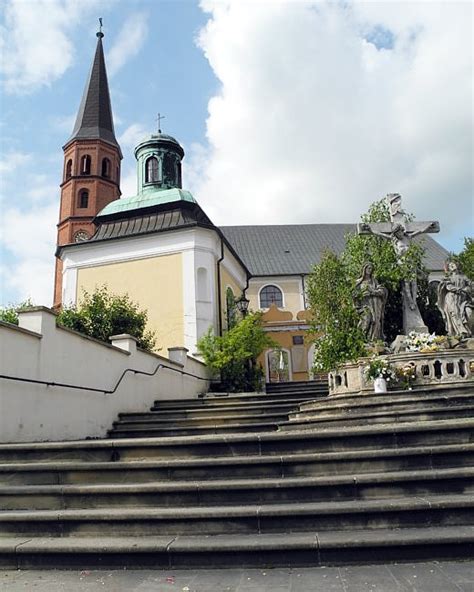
(40, 350)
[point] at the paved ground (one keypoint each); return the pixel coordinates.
(444, 576)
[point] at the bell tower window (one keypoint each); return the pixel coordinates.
(68, 169)
(151, 170)
(86, 165)
(106, 168)
(83, 198)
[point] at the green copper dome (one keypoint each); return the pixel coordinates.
(158, 163)
(146, 200)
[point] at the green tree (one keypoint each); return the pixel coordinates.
(337, 338)
(233, 355)
(330, 293)
(465, 259)
(102, 315)
(9, 314)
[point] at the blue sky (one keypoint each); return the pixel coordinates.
(289, 111)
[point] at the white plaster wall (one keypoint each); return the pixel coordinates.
(30, 412)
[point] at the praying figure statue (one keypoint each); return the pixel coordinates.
(370, 298)
(401, 232)
(455, 301)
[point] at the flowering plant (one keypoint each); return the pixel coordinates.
(379, 368)
(422, 342)
(406, 375)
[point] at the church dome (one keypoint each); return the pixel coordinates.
(160, 140)
(159, 163)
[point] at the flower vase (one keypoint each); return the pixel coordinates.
(380, 385)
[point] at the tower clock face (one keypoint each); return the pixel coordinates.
(80, 236)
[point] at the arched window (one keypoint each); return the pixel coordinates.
(271, 295)
(105, 167)
(86, 165)
(68, 169)
(83, 198)
(151, 170)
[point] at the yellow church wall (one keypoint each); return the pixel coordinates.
(284, 339)
(155, 283)
(291, 288)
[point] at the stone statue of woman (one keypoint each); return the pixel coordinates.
(370, 298)
(455, 301)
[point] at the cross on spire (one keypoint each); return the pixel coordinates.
(99, 32)
(158, 119)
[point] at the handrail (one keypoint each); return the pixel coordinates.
(104, 391)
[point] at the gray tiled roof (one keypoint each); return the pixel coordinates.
(94, 118)
(294, 249)
(153, 221)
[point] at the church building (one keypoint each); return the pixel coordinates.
(161, 248)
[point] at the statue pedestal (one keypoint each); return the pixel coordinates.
(412, 320)
(433, 369)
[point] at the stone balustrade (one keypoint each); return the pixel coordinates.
(431, 369)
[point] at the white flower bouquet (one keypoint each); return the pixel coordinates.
(379, 367)
(422, 342)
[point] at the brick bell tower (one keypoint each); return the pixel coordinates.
(91, 176)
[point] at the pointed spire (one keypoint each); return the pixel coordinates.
(94, 118)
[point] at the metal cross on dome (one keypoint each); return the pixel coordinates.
(158, 119)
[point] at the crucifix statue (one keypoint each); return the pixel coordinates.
(401, 232)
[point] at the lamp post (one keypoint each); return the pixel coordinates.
(243, 305)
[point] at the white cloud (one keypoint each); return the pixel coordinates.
(64, 123)
(129, 42)
(132, 135)
(12, 160)
(35, 42)
(128, 182)
(313, 122)
(30, 238)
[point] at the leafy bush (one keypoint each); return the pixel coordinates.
(233, 355)
(466, 258)
(9, 314)
(334, 316)
(102, 315)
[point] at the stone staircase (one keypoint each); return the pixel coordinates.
(219, 413)
(271, 479)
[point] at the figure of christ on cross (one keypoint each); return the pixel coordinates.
(401, 232)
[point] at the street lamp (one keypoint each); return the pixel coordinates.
(243, 305)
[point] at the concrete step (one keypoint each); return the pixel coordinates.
(437, 510)
(261, 550)
(225, 399)
(363, 417)
(218, 427)
(223, 410)
(401, 401)
(202, 422)
(352, 462)
(409, 483)
(277, 387)
(291, 441)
